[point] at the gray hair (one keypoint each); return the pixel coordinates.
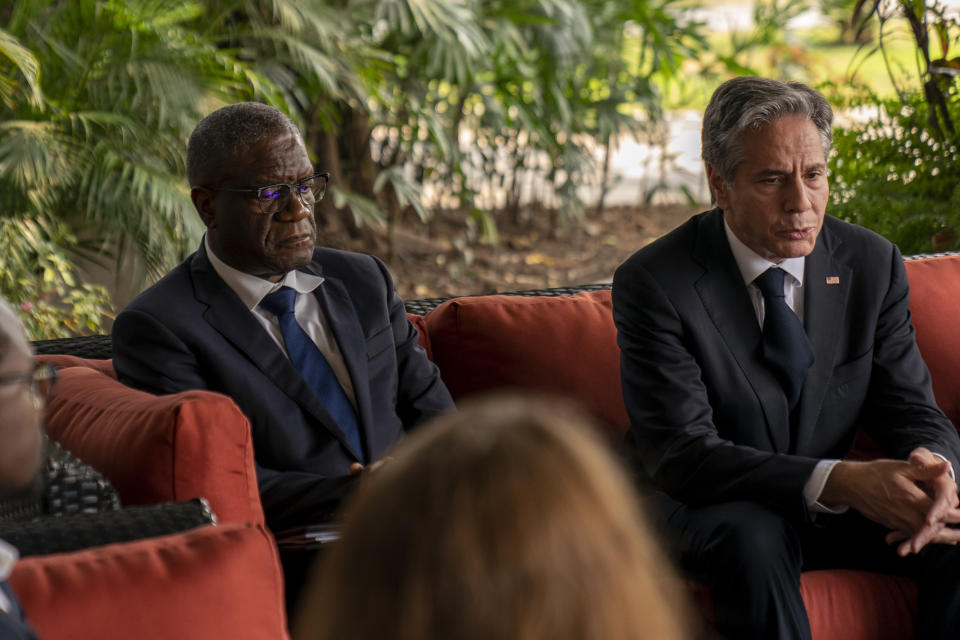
(748, 103)
(222, 135)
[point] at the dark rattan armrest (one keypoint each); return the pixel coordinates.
(60, 534)
(97, 347)
(422, 306)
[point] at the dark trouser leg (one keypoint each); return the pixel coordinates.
(851, 541)
(750, 559)
(297, 568)
(938, 596)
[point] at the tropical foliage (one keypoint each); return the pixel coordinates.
(895, 170)
(97, 98)
(891, 175)
(410, 104)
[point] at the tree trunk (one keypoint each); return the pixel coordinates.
(513, 197)
(324, 146)
(357, 166)
(604, 175)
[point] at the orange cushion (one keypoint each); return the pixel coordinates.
(564, 345)
(212, 582)
(62, 361)
(935, 305)
(859, 605)
(853, 605)
(158, 448)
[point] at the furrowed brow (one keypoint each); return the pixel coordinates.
(769, 173)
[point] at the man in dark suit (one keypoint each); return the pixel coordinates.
(210, 323)
(744, 396)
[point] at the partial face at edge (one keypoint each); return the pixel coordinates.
(777, 200)
(266, 246)
(21, 425)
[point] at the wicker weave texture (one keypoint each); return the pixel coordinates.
(61, 534)
(96, 347)
(422, 306)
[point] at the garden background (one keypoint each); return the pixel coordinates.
(475, 145)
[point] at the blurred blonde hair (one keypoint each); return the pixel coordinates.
(507, 520)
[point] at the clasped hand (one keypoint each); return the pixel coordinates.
(357, 469)
(916, 499)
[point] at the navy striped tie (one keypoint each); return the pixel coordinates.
(311, 364)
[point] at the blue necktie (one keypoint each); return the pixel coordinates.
(786, 347)
(311, 364)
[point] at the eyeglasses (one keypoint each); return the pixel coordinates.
(42, 380)
(275, 197)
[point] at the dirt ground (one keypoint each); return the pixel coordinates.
(445, 258)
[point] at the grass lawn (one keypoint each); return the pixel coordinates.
(841, 71)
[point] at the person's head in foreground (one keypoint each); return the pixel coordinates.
(506, 520)
(765, 147)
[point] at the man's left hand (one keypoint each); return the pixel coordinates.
(933, 477)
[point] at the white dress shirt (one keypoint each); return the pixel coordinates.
(752, 265)
(8, 557)
(306, 310)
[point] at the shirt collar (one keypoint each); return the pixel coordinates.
(252, 289)
(752, 265)
(8, 556)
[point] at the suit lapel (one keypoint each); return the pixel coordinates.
(826, 284)
(231, 319)
(727, 302)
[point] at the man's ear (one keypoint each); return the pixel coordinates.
(203, 200)
(718, 186)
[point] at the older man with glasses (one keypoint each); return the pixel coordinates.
(24, 388)
(312, 343)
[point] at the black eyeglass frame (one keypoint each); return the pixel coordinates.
(293, 187)
(42, 379)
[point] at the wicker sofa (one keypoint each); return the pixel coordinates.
(560, 341)
(213, 581)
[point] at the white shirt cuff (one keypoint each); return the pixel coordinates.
(953, 476)
(815, 483)
(814, 487)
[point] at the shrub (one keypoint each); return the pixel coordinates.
(892, 175)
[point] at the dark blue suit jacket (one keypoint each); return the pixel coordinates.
(191, 331)
(709, 422)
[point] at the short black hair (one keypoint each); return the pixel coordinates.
(218, 138)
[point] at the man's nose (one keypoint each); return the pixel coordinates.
(295, 209)
(796, 196)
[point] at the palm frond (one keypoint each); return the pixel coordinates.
(34, 165)
(26, 65)
(408, 192)
(365, 211)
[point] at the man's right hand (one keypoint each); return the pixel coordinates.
(915, 499)
(356, 468)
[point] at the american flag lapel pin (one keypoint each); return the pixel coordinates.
(833, 279)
